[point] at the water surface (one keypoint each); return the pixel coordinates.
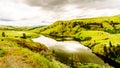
(67, 51)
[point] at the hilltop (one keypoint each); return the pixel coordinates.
(76, 25)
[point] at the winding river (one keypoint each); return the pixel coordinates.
(68, 51)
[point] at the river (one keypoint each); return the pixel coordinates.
(68, 51)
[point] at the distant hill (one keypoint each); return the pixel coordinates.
(76, 25)
(17, 28)
(3, 27)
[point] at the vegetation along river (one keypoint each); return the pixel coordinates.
(70, 51)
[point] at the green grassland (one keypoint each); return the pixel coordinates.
(13, 55)
(18, 28)
(19, 52)
(18, 34)
(100, 34)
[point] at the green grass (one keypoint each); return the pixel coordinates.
(99, 23)
(90, 65)
(14, 54)
(95, 33)
(19, 52)
(100, 34)
(18, 34)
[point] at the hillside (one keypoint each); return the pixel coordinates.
(100, 34)
(76, 25)
(18, 28)
(17, 50)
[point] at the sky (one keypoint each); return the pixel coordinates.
(45, 12)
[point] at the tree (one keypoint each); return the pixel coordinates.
(105, 51)
(110, 43)
(3, 34)
(24, 36)
(101, 25)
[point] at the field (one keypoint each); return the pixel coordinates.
(101, 35)
(17, 50)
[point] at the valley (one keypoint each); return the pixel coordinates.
(77, 43)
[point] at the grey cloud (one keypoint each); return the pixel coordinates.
(98, 4)
(56, 5)
(48, 4)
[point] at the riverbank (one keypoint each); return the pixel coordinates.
(65, 50)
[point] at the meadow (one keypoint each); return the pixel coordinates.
(101, 35)
(17, 50)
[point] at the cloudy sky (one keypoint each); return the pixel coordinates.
(44, 12)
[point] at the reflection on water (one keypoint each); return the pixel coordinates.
(70, 51)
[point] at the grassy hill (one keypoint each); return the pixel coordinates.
(17, 50)
(76, 25)
(18, 28)
(19, 53)
(100, 34)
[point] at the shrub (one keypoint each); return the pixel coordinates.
(3, 34)
(34, 46)
(24, 36)
(2, 52)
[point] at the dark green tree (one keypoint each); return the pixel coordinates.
(106, 51)
(3, 34)
(24, 36)
(110, 43)
(101, 25)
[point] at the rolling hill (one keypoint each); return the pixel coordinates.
(100, 34)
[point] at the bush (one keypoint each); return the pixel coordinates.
(34, 46)
(2, 52)
(3, 34)
(113, 31)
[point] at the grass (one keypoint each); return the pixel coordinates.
(18, 34)
(90, 65)
(18, 52)
(100, 34)
(95, 33)
(15, 56)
